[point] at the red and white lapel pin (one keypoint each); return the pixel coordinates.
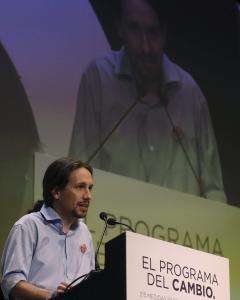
(83, 248)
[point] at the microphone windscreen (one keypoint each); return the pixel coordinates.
(103, 215)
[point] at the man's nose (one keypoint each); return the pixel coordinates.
(87, 194)
(146, 46)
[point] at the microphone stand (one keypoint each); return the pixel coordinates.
(97, 267)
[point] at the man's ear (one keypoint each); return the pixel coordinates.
(56, 193)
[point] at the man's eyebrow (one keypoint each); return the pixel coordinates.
(84, 183)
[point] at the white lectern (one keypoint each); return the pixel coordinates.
(138, 267)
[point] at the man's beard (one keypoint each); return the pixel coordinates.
(150, 72)
(149, 81)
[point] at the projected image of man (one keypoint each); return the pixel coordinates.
(167, 138)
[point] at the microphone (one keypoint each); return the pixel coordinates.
(103, 216)
(114, 128)
(112, 221)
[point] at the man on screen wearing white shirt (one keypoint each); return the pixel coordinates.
(167, 138)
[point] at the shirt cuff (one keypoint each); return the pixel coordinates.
(9, 282)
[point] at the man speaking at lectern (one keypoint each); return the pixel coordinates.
(48, 249)
(167, 137)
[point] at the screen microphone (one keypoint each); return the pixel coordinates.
(112, 221)
(114, 128)
(178, 133)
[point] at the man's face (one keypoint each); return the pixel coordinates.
(73, 201)
(143, 36)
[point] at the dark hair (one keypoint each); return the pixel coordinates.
(160, 7)
(36, 206)
(57, 176)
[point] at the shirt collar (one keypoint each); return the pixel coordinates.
(51, 216)
(49, 213)
(123, 67)
(170, 74)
